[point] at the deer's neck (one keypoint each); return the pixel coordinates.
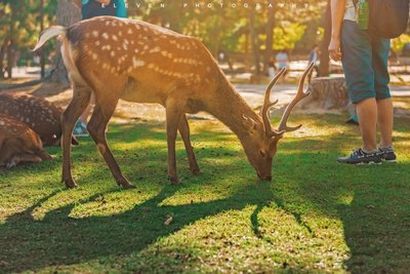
(229, 107)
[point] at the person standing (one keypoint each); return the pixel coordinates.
(364, 56)
(93, 8)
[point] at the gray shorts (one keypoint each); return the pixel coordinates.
(365, 59)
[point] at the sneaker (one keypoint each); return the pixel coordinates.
(80, 129)
(387, 154)
(360, 157)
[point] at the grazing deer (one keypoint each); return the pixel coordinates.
(139, 62)
(39, 114)
(19, 143)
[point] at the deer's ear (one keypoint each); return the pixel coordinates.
(248, 123)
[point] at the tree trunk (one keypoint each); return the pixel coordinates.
(270, 26)
(254, 41)
(324, 69)
(2, 55)
(42, 53)
(68, 13)
(327, 93)
(10, 45)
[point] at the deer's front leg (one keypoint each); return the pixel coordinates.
(173, 114)
(185, 134)
(81, 99)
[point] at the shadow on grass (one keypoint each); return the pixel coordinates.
(375, 220)
(57, 239)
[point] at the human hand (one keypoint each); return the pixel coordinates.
(334, 49)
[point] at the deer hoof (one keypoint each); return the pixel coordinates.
(70, 183)
(196, 171)
(174, 180)
(125, 184)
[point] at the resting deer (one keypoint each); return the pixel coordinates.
(19, 143)
(42, 116)
(139, 62)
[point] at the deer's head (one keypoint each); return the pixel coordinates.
(261, 144)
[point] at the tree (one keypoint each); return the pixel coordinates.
(68, 13)
(270, 26)
(324, 68)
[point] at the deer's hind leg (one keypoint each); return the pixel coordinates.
(103, 111)
(183, 128)
(81, 99)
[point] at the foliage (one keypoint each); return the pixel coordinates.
(398, 43)
(287, 36)
(316, 215)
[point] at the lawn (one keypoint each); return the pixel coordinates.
(314, 216)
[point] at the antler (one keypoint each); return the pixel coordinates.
(268, 104)
(301, 94)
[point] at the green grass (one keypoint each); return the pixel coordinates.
(314, 216)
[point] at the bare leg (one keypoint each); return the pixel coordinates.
(185, 134)
(385, 120)
(81, 99)
(367, 112)
(174, 114)
(96, 127)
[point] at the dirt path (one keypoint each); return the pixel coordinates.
(253, 94)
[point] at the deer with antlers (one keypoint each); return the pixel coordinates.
(139, 62)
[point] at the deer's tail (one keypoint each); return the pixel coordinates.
(68, 52)
(51, 33)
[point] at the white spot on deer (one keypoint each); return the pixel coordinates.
(87, 35)
(208, 69)
(114, 37)
(107, 23)
(125, 46)
(120, 33)
(150, 66)
(106, 47)
(129, 31)
(146, 47)
(105, 36)
(156, 49)
(136, 50)
(95, 33)
(137, 63)
(94, 56)
(97, 43)
(130, 69)
(112, 53)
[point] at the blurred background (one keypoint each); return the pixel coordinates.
(245, 36)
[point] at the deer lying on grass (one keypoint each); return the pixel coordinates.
(19, 143)
(39, 114)
(139, 62)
